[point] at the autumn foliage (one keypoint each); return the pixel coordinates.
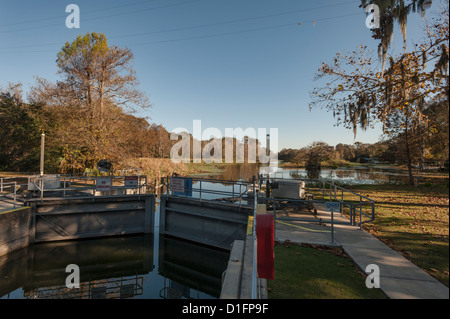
(361, 94)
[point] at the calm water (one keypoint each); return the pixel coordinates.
(345, 175)
(148, 267)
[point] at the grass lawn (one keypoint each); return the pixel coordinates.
(309, 272)
(414, 221)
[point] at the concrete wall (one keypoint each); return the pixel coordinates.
(231, 286)
(14, 229)
(207, 222)
(237, 283)
(66, 219)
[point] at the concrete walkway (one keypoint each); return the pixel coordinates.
(399, 278)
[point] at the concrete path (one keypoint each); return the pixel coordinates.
(399, 278)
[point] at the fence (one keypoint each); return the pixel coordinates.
(70, 186)
(8, 191)
(358, 208)
(236, 192)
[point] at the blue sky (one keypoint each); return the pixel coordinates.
(228, 63)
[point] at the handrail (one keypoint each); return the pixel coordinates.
(333, 192)
(3, 186)
(232, 193)
(67, 184)
(254, 262)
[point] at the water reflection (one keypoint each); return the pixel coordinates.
(237, 172)
(189, 266)
(355, 175)
(347, 175)
(146, 266)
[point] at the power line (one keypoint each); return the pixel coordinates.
(244, 31)
(201, 26)
(105, 16)
(232, 21)
(216, 34)
(88, 12)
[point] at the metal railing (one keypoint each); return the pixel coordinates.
(352, 204)
(111, 288)
(236, 192)
(8, 191)
(255, 280)
(73, 186)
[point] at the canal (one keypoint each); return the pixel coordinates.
(141, 267)
(149, 266)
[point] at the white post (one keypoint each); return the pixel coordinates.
(42, 153)
(42, 165)
(255, 245)
(15, 193)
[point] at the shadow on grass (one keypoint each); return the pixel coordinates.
(427, 251)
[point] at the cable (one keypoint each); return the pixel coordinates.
(241, 31)
(200, 26)
(105, 16)
(88, 12)
(211, 35)
(233, 21)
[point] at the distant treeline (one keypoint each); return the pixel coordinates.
(69, 148)
(390, 150)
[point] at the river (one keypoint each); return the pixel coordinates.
(357, 174)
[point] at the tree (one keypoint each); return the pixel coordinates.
(20, 131)
(318, 152)
(346, 152)
(392, 11)
(438, 143)
(97, 85)
(360, 94)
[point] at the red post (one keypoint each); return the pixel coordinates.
(265, 236)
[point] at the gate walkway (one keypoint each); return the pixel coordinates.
(399, 278)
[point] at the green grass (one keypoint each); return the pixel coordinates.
(309, 272)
